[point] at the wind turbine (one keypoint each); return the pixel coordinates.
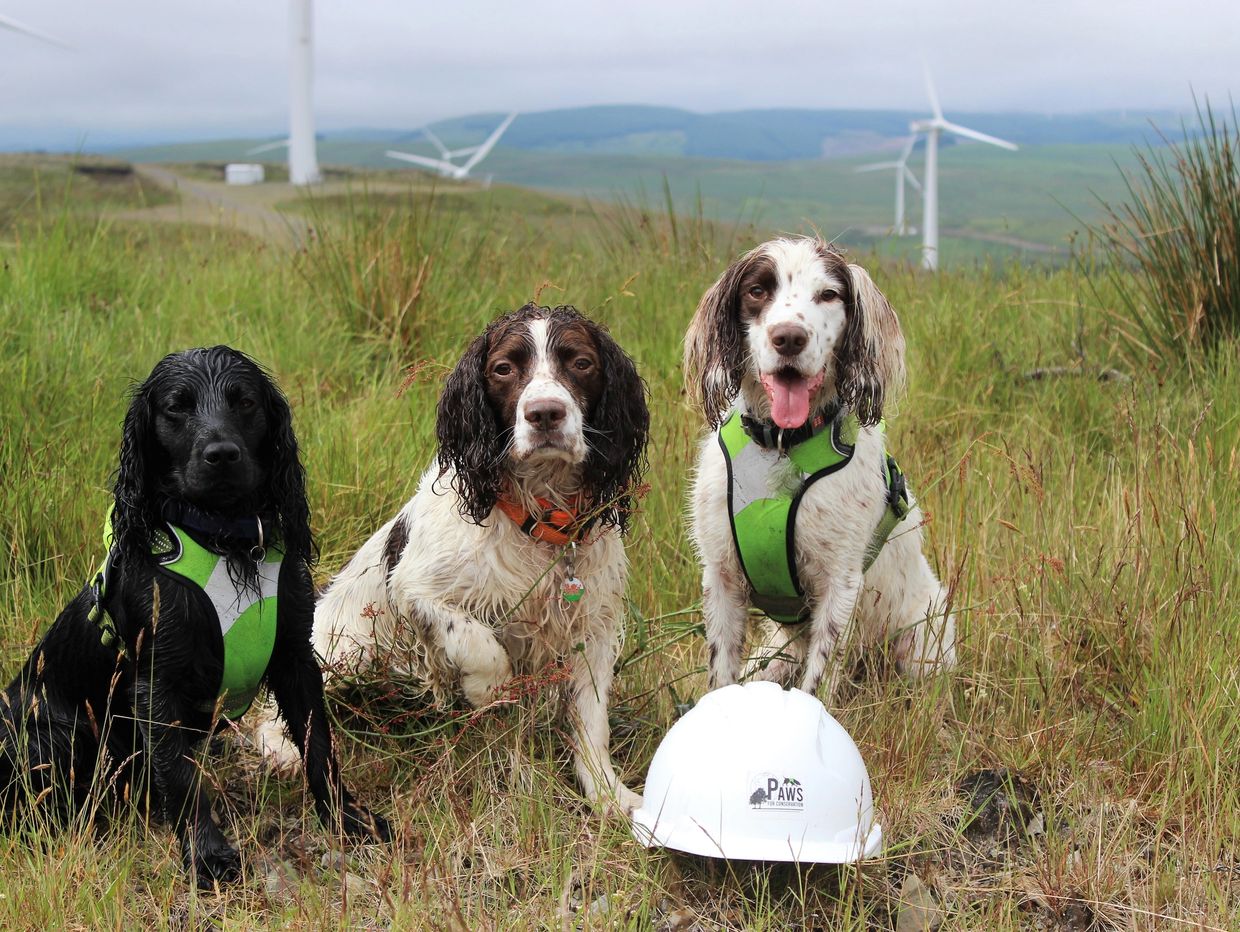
(303, 161)
(13, 25)
(930, 193)
(444, 165)
(903, 174)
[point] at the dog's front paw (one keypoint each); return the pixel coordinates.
(278, 750)
(211, 860)
(618, 802)
(482, 687)
(360, 822)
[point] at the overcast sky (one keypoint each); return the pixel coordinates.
(172, 70)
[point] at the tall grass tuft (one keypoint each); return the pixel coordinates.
(1174, 246)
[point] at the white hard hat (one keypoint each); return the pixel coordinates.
(759, 773)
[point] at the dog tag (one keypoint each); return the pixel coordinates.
(573, 589)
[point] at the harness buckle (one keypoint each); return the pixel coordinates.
(897, 490)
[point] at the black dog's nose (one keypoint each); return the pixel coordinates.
(221, 453)
(788, 339)
(546, 415)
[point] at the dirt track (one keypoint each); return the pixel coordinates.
(249, 208)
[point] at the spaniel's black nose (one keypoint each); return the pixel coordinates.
(221, 453)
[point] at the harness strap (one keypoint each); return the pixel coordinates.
(899, 504)
(98, 613)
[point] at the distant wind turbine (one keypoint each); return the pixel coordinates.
(444, 165)
(930, 193)
(903, 174)
(303, 160)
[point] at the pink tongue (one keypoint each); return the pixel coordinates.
(789, 400)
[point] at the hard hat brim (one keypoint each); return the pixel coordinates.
(692, 837)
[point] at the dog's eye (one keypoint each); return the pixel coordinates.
(583, 363)
(246, 403)
(502, 369)
(756, 291)
(829, 295)
(177, 405)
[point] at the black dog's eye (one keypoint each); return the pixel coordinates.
(757, 291)
(502, 369)
(178, 404)
(246, 403)
(829, 295)
(583, 363)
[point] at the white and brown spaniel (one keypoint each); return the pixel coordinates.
(792, 340)
(542, 432)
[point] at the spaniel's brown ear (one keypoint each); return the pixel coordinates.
(618, 425)
(715, 350)
(870, 360)
(465, 426)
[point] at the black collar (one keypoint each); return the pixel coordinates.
(251, 529)
(767, 434)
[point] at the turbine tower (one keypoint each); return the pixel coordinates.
(303, 162)
(444, 165)
(932, 127)
(903, 174)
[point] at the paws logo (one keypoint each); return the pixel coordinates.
(772, 792)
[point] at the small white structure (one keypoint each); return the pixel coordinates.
(243, 173)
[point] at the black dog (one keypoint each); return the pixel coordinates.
(130, 677)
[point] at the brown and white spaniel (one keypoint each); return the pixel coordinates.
(796, 340)
(542, 432)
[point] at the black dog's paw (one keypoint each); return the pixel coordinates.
(211, 861)
(360, 822)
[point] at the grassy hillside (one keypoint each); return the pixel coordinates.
(1085, 527)
(993, 204)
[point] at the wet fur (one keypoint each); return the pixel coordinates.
(452, 592)
(80, 718)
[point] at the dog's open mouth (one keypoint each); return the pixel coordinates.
(789, 393)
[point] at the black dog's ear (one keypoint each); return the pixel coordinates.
(286, 478)
(870, 358)
(715, 349)
(467, 433)
(620, 424)
(136, 499)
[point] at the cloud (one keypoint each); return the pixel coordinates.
(152, 70)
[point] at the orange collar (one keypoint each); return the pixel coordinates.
(556, 526)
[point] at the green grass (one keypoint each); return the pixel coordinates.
(1088, 530)
(990, 200)
(50, 185)
(1179, 230)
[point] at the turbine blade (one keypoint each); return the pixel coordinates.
(876, 166)
(13, 25)
(456, 153)
(485, 149)
(267, 147)
(911, 178)
(420, 160)
(907, 150)
(435, 141)
(980, 137)
(931, 92)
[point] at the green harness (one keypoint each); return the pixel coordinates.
(247, 618)
(763, 515)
